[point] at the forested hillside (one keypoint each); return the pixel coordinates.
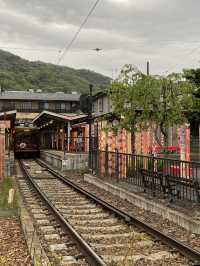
(20, 74)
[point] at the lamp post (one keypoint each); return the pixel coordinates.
(115, 122)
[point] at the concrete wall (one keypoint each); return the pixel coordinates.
(69, 162)
(191, 224)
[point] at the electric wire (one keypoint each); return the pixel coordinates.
(66, 49)
(188, 53)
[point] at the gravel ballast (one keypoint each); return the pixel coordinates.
(153, 219)
(13, 250)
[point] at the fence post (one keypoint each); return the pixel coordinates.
(153, 163)
(97, 161)
(106, 160)
(117, 164)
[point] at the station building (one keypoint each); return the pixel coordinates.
(62, 128)
(36, 102)
(54, 117)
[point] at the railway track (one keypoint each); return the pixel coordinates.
(81, 229)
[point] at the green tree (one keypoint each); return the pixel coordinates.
(138, 100)
(193, 76)
(19, 74)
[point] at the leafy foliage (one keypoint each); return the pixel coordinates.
(138, 99)
(193, 76)
(19, 74)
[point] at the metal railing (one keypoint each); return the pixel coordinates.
(159, 175)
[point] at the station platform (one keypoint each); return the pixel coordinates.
(184, 214)
(65, 161)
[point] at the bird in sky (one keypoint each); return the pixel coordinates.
(97, 49)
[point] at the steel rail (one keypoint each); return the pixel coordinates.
(183, 248)
(91, 256)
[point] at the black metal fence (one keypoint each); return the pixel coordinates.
(159, 176)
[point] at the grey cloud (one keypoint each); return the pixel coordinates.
(160, 30)
(131, 19)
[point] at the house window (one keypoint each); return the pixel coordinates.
(62, 106)
(23, 106)
(67, 106)
(73, 106)
(95, 106)
(27, 105)
(58, 106)
(46, 105)
(101, 105)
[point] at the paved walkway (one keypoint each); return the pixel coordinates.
(55, 152)
(61, 154)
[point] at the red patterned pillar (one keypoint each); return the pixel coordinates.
(187, 143)
(2, 152)
(3, 126)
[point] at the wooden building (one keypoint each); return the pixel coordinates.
(145, 141)
(36, 102)
(62, 131)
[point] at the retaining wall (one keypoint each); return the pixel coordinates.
(177, 217)
(71, 161)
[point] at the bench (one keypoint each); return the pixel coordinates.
(167, 184)
(152, 180)
(177, 182)
(170, 187)
(157, 181)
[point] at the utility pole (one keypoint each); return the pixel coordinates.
(90, 125)
(147, 68)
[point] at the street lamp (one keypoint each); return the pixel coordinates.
(115, 122)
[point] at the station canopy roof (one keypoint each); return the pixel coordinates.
(9, 115)
(49, 117)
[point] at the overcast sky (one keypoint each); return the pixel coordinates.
(165, 32)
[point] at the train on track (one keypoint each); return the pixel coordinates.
(26, 143)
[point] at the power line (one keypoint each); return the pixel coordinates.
(66, 49)
(188, 53)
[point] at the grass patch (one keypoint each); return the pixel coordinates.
(5, 185)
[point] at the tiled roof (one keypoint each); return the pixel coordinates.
(64, 117)
(26, 95)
